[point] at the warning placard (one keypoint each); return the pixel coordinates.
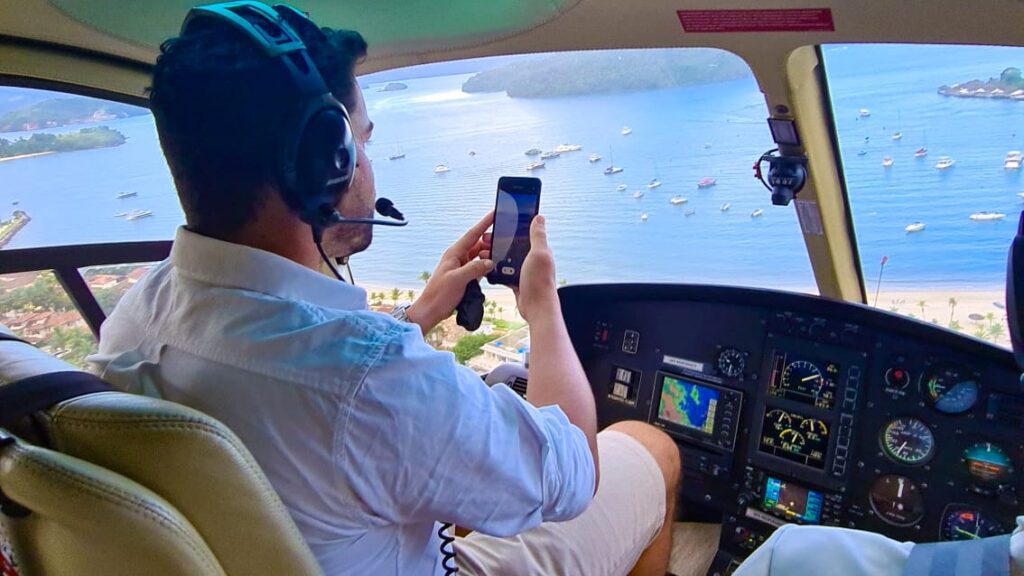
(768, 20)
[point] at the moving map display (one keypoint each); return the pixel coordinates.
(688, 404)
(791, 500)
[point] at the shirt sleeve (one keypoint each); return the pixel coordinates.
(426, 440)
(796, 549)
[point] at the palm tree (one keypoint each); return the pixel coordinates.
(501, 312)
(424, 276)
(921, 304)
(954, 325)
(996, 331)
(411, 295)
(952, 308)
(395, 295)
(991, 317)
(491, 305)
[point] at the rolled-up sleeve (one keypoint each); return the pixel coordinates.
(426, 439)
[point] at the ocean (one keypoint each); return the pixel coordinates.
(679, 136)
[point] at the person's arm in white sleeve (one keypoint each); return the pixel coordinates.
(425, 439)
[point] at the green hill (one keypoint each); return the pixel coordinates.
(609, 72)
(41, 142)
(56, 112)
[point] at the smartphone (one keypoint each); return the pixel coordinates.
(517, 202)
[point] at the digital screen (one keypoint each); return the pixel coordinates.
(792, 501)
(688, 404)
(804, 380)
(794, 437)
(513, 213)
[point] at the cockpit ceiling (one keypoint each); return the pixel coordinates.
(40, 40)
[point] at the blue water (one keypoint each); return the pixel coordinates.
(595, 231)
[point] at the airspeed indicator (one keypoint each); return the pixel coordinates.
(908, 441)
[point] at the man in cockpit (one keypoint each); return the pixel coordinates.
(369, 436)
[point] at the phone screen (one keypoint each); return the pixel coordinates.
(517, 203)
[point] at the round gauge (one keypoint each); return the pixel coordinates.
(950, 389)
(896, 500)
(781, 418)
(987, 463)
(962, 522)
(800, 373)
(908, 441)
(897, 378)
(731, 362)
(814, 426)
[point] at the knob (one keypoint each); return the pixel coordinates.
(745, 498)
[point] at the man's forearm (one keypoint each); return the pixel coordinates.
(556, 376)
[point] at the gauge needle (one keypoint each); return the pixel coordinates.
(899, 493)
(811, 377)
(899, 451)
(968, 534)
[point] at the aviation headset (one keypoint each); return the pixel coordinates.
(317, 156)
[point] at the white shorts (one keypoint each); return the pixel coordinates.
(623, 519)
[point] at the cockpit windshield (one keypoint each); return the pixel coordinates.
(930, 140)
(645, 157)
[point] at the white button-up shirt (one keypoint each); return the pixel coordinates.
(368, 434)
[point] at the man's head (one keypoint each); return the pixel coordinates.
(221, 109)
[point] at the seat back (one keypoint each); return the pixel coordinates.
(190, 460)
(75, 518)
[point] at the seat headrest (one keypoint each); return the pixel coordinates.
(20, 360)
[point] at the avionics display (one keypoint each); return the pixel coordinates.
(791, 501)
(804, 380)
(688, 404)
(787, 434)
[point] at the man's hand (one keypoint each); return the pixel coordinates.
(537, 293)
(458, 266)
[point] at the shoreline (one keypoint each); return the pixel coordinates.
(23, 156)
(20, 219)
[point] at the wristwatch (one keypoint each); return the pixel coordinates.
(399, 312)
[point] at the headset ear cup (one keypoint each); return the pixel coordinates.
(320, 148)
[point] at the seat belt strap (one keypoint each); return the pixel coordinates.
(981, 557)
(24, 397)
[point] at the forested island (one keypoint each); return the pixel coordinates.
(56, 112)
(1009, 85)
(44, 143)
(609, 72)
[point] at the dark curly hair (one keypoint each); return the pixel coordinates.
(220, 108)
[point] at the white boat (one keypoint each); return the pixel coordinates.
(568, 148)
(626, 131)
(612, 170)
(638, 194)
(593, 158)
(397, 156)
(533, 151)
(653, 184)
(864, 112)
(756, 213)
(136, 214)
(920, 152)
(944, 162)
(985, 215)
(689, 212)
(914, 227)
(441, 169)
(862, 153)
(622, 187)
(677, 200)
(725, 207)
(1013, 160)
(534, 165)
(121, 214)
(897, 135)
(121, 195)
(550, 154)
(706, 182)
(707, 145)
(643, 216)
(887, 161)
(1020, 195)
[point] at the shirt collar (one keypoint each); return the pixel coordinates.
(230, 265)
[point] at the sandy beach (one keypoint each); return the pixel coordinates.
(503, 296)
(23, 156)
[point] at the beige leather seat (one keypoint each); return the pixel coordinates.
(134, 485)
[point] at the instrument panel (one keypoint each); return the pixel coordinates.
(792, 408)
